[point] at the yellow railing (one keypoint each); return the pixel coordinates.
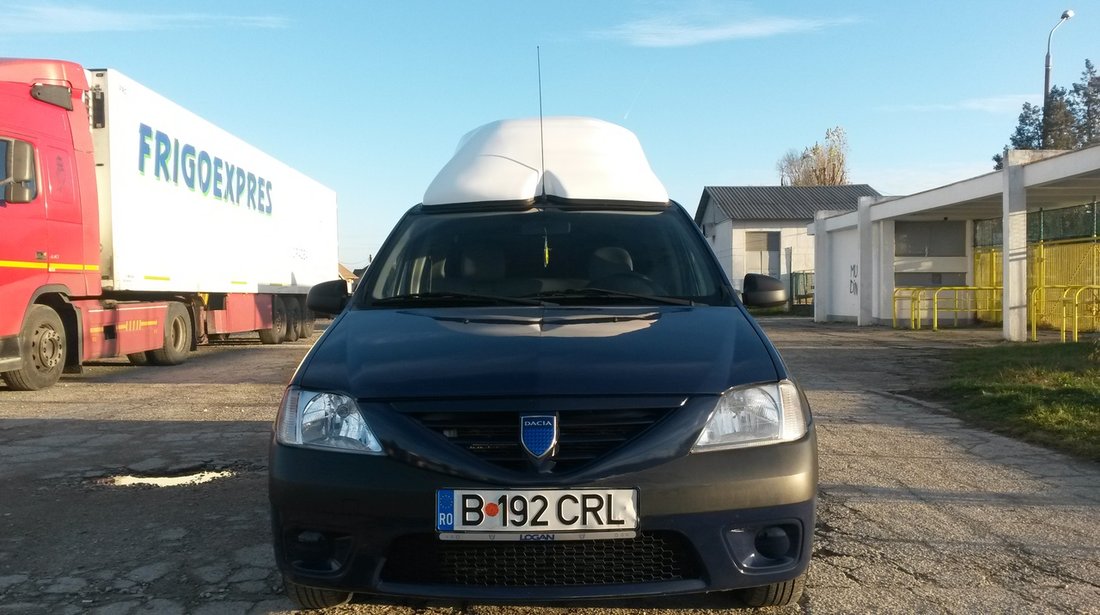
(964, 300)
(1074, 296)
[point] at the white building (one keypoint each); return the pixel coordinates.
(762, 229)
(927, 240)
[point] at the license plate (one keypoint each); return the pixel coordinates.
(521, 510)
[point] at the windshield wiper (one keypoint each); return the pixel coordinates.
(454, 297)
(587, 293)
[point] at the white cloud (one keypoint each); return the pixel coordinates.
(1007, 104)
(683, 30)
(58, 19)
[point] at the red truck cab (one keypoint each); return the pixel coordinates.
(49, 210)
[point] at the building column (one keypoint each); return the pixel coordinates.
(1014, 254)
(822, 268)
(884, 274)
(865, 291)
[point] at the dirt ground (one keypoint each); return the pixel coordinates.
(917, 512)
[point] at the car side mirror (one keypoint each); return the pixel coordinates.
(328, 297)
(763, 291)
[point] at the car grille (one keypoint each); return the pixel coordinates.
(651, 557)
(583, 435)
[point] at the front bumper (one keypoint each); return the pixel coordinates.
(366, 524)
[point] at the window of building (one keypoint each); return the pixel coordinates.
(762, 252)
(921, 278)
(934, 238)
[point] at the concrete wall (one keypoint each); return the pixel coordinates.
(719, 233)
(844, 281)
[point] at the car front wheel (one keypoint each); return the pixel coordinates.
(776, 594)
(309, 598)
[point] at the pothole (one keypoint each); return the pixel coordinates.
(163, 481)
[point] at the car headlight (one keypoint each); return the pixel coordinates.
(753, 416)
(324, 420)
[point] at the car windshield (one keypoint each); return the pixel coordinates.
(548, 256)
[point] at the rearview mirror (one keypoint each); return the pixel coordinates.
(19, 185)
(763, 291)
(328, 297)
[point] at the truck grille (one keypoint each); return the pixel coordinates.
(651, 557)
(583, 435)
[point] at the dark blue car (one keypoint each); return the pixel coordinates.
(544, 388)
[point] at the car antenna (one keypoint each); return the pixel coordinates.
(542, 141)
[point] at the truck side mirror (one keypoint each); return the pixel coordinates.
(19, 166)
(763, 291)
(328, 297)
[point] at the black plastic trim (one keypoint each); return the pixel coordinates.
(57, 95)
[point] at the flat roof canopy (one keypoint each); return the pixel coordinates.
(1060, 180)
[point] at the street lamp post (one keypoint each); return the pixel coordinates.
(1066, 15)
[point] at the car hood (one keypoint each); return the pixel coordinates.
(534, 352)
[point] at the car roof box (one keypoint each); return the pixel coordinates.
(561, 159)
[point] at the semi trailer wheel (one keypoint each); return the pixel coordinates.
(293, 318)
(305, 327)
(277, 332)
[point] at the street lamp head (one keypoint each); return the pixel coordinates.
(1067, 14)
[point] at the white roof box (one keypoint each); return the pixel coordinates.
(585, 159)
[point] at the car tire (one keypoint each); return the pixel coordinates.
(776, 594)
(309, 598)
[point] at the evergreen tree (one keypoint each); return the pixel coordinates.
(1028, 135)
(1029, 130)
(1059, 123)
(1071, 121)
(1085, 104)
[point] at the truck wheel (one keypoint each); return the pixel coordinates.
(776, 594)
(177, 337)
(305, 327)
(277, 332)
(42, 353)
(293, 318)
(309, 598)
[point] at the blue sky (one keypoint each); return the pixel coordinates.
(370, 98)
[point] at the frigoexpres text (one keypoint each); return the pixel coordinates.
(197, 169)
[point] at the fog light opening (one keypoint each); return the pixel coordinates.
(313, 551)
(773, 542)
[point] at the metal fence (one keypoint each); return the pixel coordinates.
(802, 288)
(1063, 266)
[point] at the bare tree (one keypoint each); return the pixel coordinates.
(817, 165)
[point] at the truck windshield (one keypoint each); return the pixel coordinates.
(564, 257)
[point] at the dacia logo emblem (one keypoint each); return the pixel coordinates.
(538, 434)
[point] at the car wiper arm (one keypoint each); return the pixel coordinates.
(605, 292)
(436, 296)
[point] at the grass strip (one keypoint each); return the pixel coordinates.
(1047, 394)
